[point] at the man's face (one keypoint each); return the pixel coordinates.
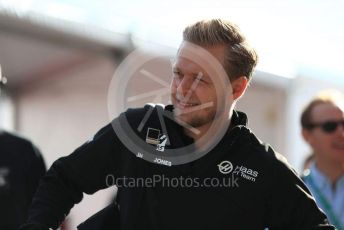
(327, 147)
(193, 91)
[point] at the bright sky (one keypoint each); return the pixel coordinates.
(292, 37)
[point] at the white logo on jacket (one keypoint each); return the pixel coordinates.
(225, 167)
(161, 146)
(246, 173)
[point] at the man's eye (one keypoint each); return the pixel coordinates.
(201, 80)
(177, 73)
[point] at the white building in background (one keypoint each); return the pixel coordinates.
(59, 75)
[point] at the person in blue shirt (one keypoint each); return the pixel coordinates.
(323, 129)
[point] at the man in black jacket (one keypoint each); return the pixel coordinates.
(190, 165)
(21, 167)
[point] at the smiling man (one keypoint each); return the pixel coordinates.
(323, 129)
(194, 94)
(190, 165)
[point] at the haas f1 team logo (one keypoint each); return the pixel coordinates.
(225, 167)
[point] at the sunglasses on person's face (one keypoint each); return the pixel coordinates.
(328, 126)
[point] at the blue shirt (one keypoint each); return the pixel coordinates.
(334, 195)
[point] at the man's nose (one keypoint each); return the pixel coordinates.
(184, 86)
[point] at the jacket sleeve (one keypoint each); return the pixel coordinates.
(291, 205)
(35, 171)
(84, 171)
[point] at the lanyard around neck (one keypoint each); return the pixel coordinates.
(325, 203)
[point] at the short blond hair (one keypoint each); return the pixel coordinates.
(240, 59)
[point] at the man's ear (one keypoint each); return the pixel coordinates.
(239, 86)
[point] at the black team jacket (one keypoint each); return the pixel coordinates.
(21, 167)
(261, 191)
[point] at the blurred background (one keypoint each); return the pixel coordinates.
(59, 57)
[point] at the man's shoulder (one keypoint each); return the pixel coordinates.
(270, 164)
(14, 140)
(149, 114)
(17, 145)
(128, 121)
(267, 155)
(140, 111)
(144, 110)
